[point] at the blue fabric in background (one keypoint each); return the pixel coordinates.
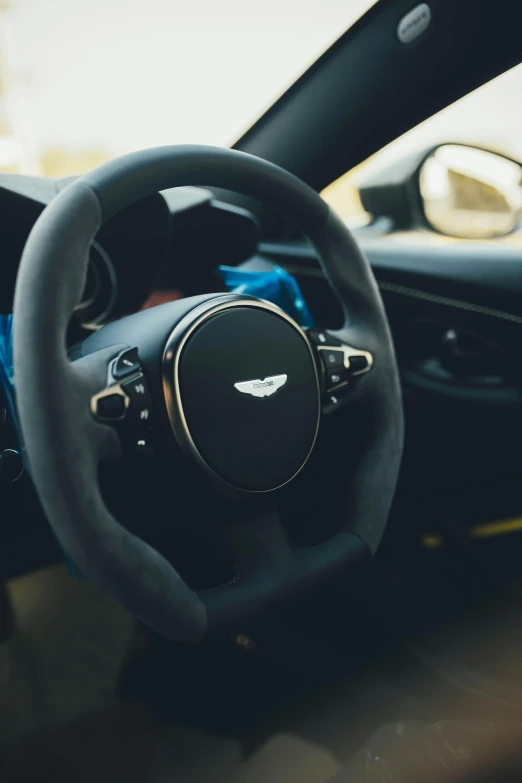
(275, 285)
(6, 365)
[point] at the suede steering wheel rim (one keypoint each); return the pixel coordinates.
(64, 443)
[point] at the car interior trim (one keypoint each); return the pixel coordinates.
(397, 288)
(101, 318)
(403, 290)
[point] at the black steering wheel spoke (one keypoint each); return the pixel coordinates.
(265, 561)
(258, 540)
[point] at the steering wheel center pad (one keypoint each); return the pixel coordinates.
(247, 394)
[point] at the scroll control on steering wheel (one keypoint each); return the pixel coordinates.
(126, 403)
(339, 364)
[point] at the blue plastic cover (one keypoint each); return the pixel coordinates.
(6, 364)
(276, 286)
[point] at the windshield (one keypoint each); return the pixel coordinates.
(81, 82)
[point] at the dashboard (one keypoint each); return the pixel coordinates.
(156, 250)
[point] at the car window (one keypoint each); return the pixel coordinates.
(489, 117)
(83, 82)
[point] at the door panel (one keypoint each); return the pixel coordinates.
(455, 310)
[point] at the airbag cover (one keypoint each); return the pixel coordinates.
(253, 442)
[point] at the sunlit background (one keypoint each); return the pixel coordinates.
(82, 82)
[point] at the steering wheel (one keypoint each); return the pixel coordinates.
(226, 382)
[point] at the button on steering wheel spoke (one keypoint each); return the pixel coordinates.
(340, 363)
(89, 393)
(124, 401)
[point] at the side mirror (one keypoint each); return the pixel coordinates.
(454, 189)
(468, 192)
